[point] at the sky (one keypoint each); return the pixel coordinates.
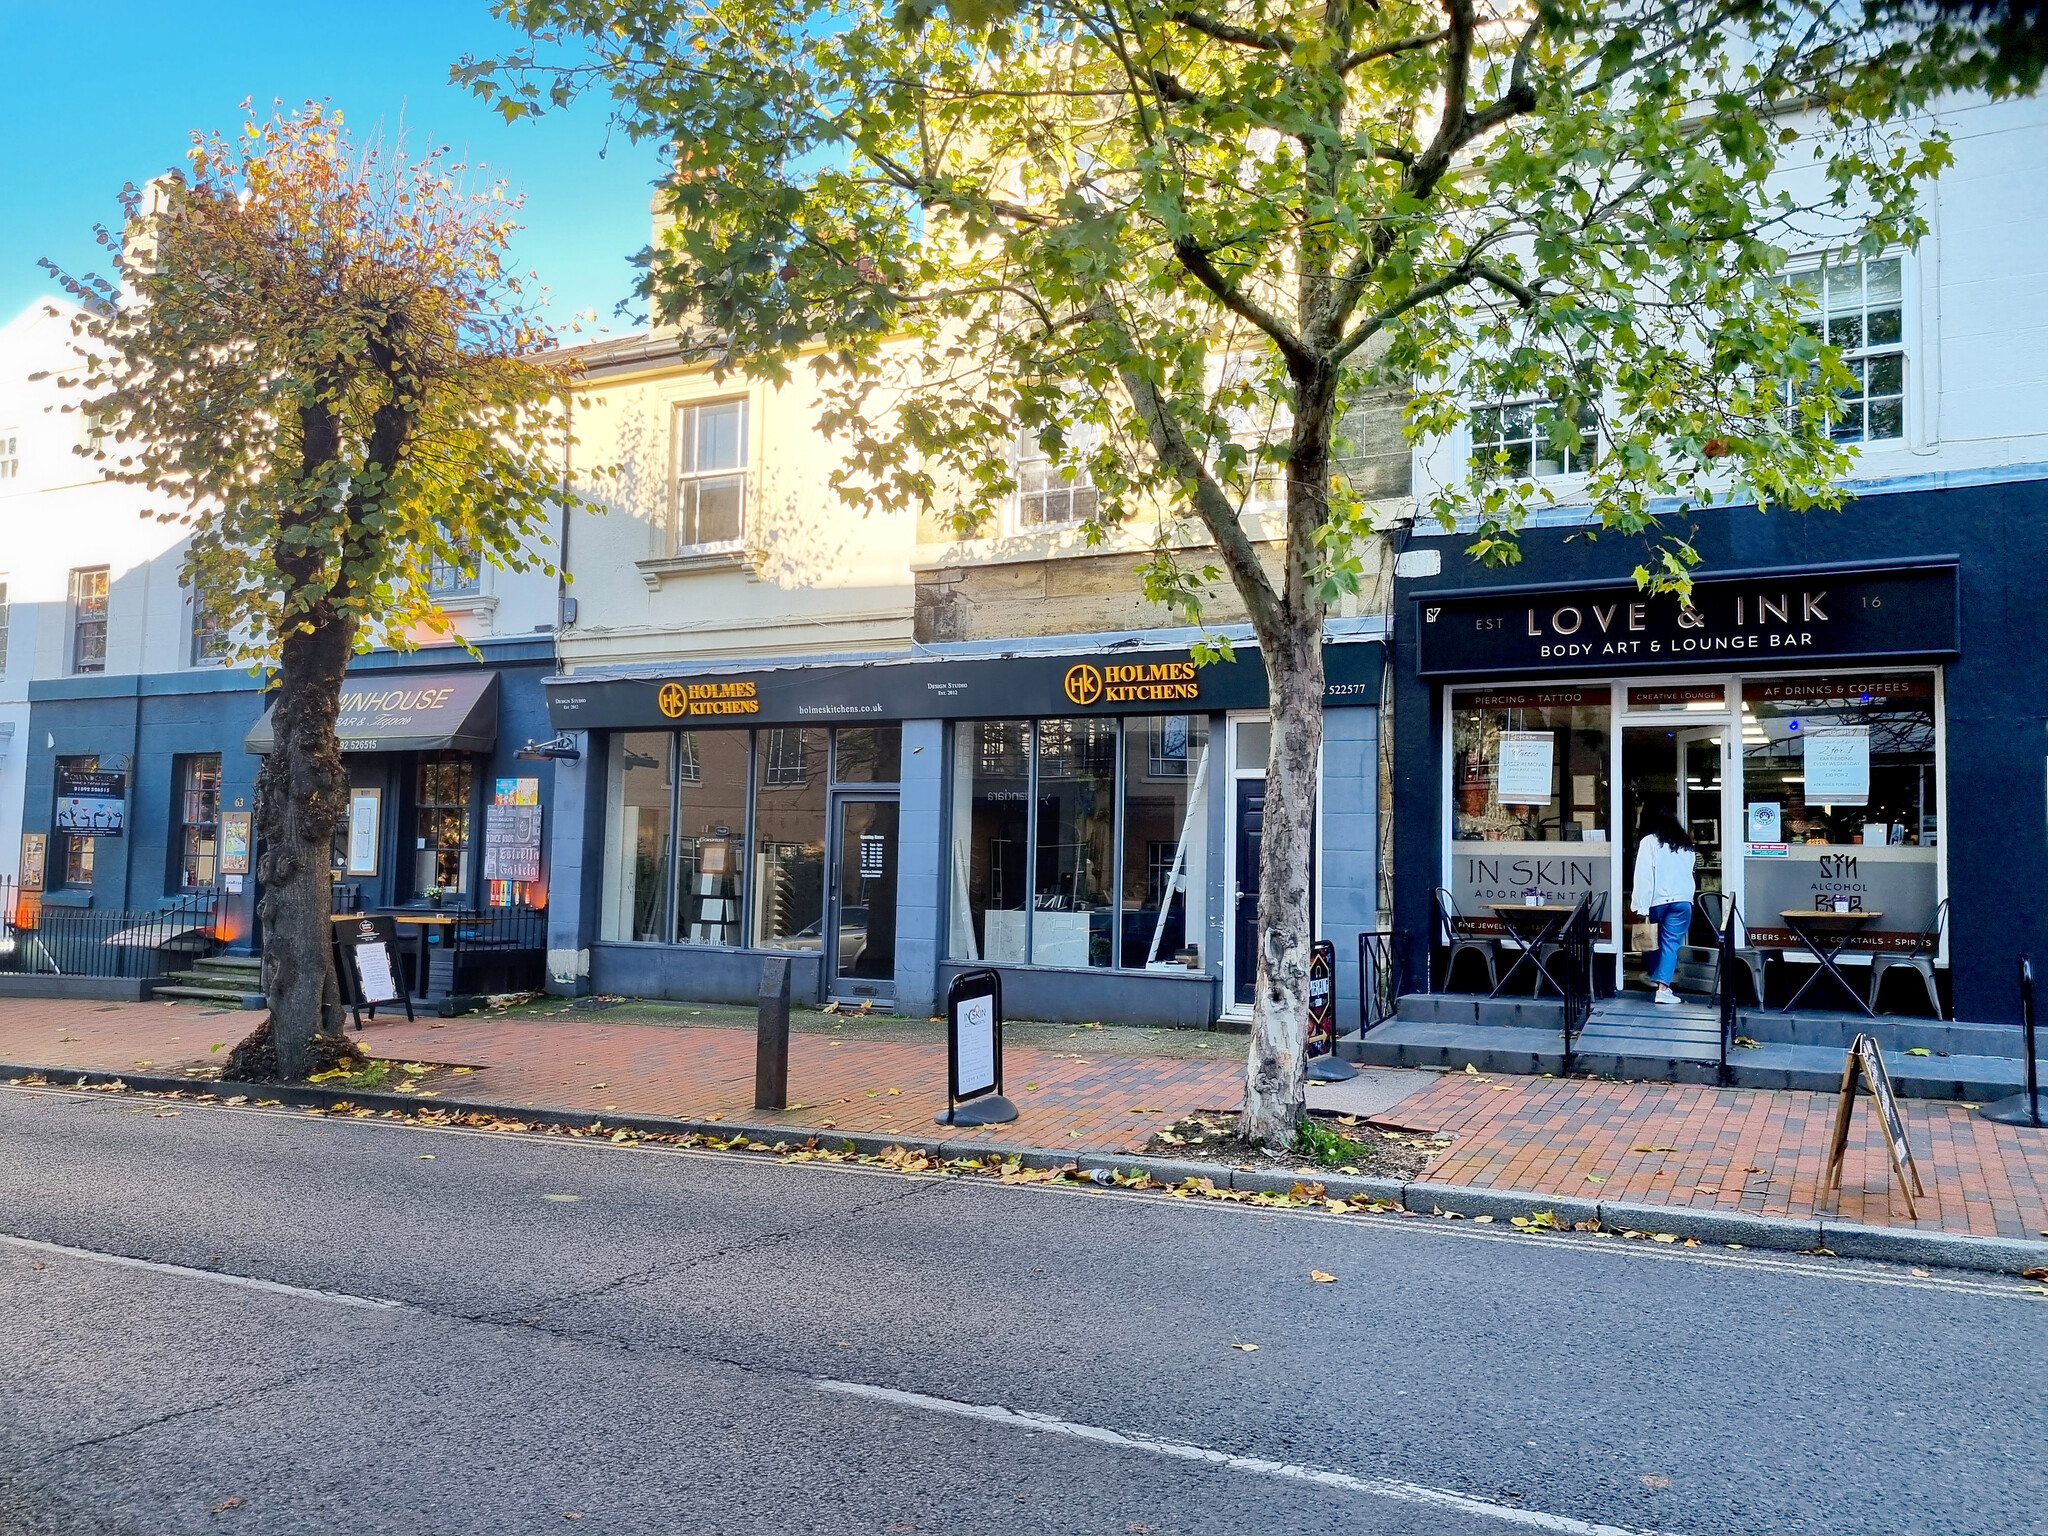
(101, 95)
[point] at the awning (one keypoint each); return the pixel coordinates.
(448, 711)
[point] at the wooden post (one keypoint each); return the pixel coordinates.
(771, 1036)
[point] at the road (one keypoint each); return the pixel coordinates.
(362, 1326)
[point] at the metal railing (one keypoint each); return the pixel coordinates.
(1724, 985)
(1382, 973)
(39, 938)
(1575, 942)
(498, 949)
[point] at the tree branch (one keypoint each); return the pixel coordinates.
(1351, 61)
(1197, 261)
(1225, 32)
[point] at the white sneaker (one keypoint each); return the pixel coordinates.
(1666, 995)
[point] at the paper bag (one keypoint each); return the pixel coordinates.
(1642, 937)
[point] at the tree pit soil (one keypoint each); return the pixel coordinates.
(1210, 1136)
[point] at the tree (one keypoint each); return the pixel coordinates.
(1174, 238)
(317, 357)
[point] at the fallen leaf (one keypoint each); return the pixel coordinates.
(895, 1090)
(1921, 1274)
(1663, 1237)
(1481, 1220)
(2025, 1274)
(226, 1504)
(1653, 1149)
(1918, 1050)
(1656, 1480)
(1321, 1276)
(1247, 1348)
(426, 1157)
(1471, 1070)
(561, 1197)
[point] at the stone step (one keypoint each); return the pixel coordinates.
(251, 963)
(227, 997)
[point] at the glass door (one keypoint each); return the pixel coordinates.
(1674, 769)
(862, 930)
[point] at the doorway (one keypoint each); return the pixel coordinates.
(1677, 771)
(1250, 821)
(861, 927)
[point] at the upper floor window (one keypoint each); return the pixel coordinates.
(89, 620)
(1051, 492)
(710, 475)
(93, 431)
(1859, 306)
(4, 619)
(209, 637)
(1522, 438)
(10, 455)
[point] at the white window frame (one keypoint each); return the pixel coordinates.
(1825, 263)
(196, 614)
(1479, 454)
(10, 454)
(1066, 478)
(682, 420)
(74, 656)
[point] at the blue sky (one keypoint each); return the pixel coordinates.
(101, 95)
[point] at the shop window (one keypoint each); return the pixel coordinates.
(1529, 792)
(789, 843)
(1064, 855)
(639, 869)
(1165, 840)
(990, 835)
(869, 754)
(711, 841)
(1841, 797)
(1859, 307)
(710, 475)
(89, 620)
(443, 816)
(198, 820)
(1531, 438)
(74, 849)
(1052, 492)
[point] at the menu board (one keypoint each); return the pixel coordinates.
(1526, 761)
(1837, 765)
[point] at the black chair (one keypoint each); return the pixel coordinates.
(1596, 916)
(1701, 963)
(1461, 934)
(1919, 960)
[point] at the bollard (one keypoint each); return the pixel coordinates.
(771, 1036)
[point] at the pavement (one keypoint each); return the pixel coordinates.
(1745, 1152)
(237, 1320)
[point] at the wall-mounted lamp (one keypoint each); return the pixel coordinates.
(559, 749)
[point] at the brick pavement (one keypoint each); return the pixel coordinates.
(1750, 1150)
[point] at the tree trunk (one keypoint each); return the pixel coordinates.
(301, 794)
(1273, 1081)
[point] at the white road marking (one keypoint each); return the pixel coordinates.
(339, 1298)
(1379, 1487)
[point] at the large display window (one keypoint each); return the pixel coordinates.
(1531, 800)
(1079, 842)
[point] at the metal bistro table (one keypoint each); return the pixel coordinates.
(1532, 928)
(423, 922)
(1825, 935)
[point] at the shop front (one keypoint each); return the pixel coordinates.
(1795, 719)
(1085, 822)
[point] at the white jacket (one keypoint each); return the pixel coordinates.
(1663, 875)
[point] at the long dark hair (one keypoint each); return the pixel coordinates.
(1667, 829)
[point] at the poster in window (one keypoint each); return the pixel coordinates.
(516, 792)
(34, 849)
(1765, 823)
(365, 812)
(234, 842)
(1526, 760)
(1838, 765)
(92, 802)
(511, 842)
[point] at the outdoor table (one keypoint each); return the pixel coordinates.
(1825, 934)
(423, 921)
(1532, 928)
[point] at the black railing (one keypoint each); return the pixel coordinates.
(2027, 1024)
(1575, 943)
(1724, 985)
(1382, 973)
(38, 938)
(497, 949)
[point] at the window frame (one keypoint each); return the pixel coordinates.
(10, 455)
(79, 621)
(207, 640)
(1822, 264)
(1479, 453)
(1028, 457)
(684, 412)
(187, 860)
(68, 844)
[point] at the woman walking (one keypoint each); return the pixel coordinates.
(1663, 893)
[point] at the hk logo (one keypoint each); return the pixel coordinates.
(673, 701)
(1084, 684)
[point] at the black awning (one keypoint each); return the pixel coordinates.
(456, 710)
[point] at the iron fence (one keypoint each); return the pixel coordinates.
(40, 938)
(1576, 944)
(1382, 975)
(1724, 985)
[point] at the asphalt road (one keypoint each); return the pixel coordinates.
(459, 1332)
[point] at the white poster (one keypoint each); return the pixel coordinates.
(1523, 777)
(373, 965)
(976, 1043)
(1764, 823)
(364, 806)
(1838, 765)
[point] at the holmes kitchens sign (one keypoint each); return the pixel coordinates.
(1823, 613)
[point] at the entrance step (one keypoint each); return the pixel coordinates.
(201, 994)
(232, 981)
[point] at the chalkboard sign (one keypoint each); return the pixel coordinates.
(366, 955)
(1322, 999)
(974, 1052)
(1866, 1061)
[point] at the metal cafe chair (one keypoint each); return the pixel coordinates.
(1713, 906)
(1596, 915)
(1919, 960)
(1461, 934)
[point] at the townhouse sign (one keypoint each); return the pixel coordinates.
(1821, 613)
(949, 688)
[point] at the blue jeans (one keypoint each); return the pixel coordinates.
(1673, 920)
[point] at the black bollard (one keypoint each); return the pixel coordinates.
(771, 1036)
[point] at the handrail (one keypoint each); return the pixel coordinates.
(1576, 941)
(2027, 1022)
(1724, 988)
(1382, 970)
